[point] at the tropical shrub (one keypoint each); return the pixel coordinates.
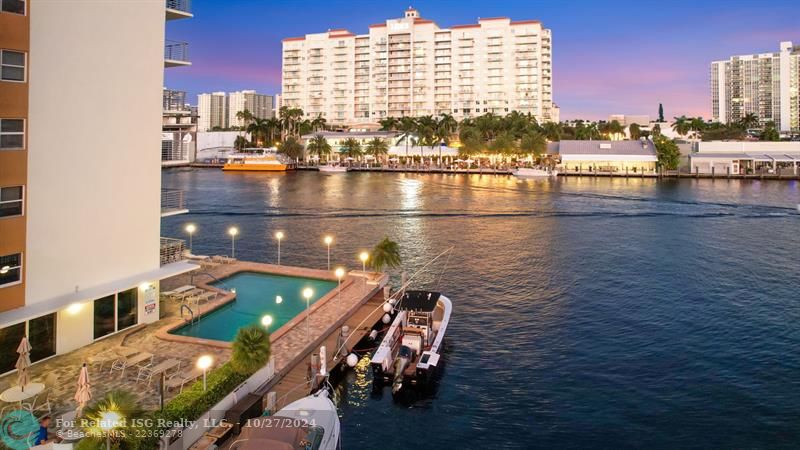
(251, 349)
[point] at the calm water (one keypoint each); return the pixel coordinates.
(588, 312)
(257, 295)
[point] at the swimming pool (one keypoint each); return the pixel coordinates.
(257, 295)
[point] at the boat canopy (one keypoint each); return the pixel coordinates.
(419, 301)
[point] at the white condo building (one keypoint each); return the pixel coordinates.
(411, 67)
(219, 109)
(80, 217)
(764, 84)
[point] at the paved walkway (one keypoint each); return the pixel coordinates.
(288, 348)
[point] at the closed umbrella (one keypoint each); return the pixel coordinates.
(84, 392)
(24, 361)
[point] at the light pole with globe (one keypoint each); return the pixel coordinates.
(190, 229)
(339, 274)
(328, 241)
(279, 237)
(204, 363)
(307, 293)
(108, 421)
(233, 231)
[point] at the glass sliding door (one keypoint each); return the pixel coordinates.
(104, 317)
(42, 336)
(9, 341)
(127, 308)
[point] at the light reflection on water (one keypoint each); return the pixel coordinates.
(588, 312)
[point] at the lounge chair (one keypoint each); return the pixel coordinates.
(186, 294)
(223, 259)
(148, 372)
(143, 359)
(180, 379)
(204, 297)
(110, 355)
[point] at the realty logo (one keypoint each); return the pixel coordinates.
(18, 429)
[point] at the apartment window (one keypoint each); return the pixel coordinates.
(13, 6)
(9, 339)
(12, 134)
(126, 309)
(11, 199)
(104, 316)
(12, 66)
(10, 269)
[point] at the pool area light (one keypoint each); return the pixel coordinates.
(278, 299)
(190, 228)
(233, 231)
(279, 237)
(328, 241)
(339, 275)
(204, 363)
(74, 308)
(266, 321)
(364, 256)
(307, 293)
(108, 421)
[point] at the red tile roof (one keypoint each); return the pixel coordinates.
(493, 18)
(477, 25)
(525, 22)
(294, 39)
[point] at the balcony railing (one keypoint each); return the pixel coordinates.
(176, 53)
(180, 5)
(173, 202)
(171, 250)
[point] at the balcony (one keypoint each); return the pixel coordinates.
(174, 100)
(176, 54)
(171, 250)
(173, 202)
(179, 9)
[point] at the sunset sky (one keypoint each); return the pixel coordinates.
(620, 57)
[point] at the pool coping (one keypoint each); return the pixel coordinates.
(163, 333)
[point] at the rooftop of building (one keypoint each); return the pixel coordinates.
(346, 134)
(417, 20)
(629, 147)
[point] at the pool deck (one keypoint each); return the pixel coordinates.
(289, 344)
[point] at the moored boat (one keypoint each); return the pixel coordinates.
(529, 172)
(330, 168)
(309, 423)
(410, 353)
(258, 159)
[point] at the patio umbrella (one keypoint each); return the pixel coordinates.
(24, 361)
(84, 393)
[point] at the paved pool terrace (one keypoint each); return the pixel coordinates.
(289, 343)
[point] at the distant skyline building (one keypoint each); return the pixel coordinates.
(764, 84)
(411, 67)
(219, 109)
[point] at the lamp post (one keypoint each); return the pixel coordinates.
(190, 228)
(266, 321)
(364, 256)
(279, 236)
(108, 421)
(233, 231)
(339, 274)
(307, 293)
(328, 241)
(204, 363)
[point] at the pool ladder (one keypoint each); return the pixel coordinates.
(191, 313)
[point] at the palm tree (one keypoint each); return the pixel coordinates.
(533, 143)
(445, 128)
(749, 121)
(258, 130)
(388, 124)
(246, 117)
(291, 148)
(273, 128)
(319, 146)
(377, 147)
(385, 254)
(290, 117)
(407, 127)
(351, 147)
(240, 143)
(697, 125)
(123, 403)
(681, 125)
(635, 131)
(319, 123)
(552, 131)
(250, 350)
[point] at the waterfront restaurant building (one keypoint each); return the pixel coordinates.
(632, 156)
(80, 252)
(742, 158)
(409, 66)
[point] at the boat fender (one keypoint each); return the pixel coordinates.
(386, 318)
(387, 308)
(352, 360)
(373, 335)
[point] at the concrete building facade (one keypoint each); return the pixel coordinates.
(764, 84)
(259, 105)
(218, 110)
(80, 247)
(412, 67)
